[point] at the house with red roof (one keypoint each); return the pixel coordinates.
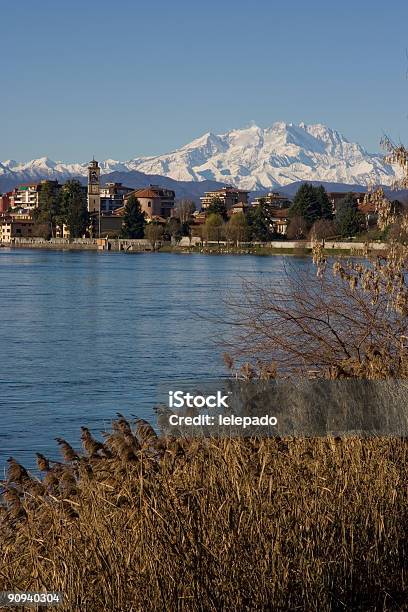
(155, 201)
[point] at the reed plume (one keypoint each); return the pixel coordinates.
(93, 447)
(244, 524)
(68, 453)
(43, 463)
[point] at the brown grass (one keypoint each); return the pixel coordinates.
(232, 524)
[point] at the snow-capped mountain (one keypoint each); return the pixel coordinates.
(251, 158)
(254, 158)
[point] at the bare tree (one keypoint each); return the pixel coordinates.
(184, 210)
(154, 233)
(350, 320)
(297, 229)
(322, 228)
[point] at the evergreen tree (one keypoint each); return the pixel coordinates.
(260, 223)
(325, 207)
(73, 208)
(133, 220)
(311, 203)
(185, 229)
(349, 220)
(218, 207)
(49, 207)
(305, 204)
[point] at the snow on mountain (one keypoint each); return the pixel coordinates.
(251, 158)
(41, 168)
(254, 158)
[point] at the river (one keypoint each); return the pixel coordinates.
(85, 334)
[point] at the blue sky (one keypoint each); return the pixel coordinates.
(125, 78)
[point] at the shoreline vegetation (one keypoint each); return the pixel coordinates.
(145, 522)
(300, 248)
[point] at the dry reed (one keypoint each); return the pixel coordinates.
(227, 524)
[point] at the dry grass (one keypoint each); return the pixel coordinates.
(232, 524)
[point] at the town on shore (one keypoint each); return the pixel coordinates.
(48, 210)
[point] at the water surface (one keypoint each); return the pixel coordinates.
(84, 334)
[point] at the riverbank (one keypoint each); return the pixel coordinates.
(283, 247)
(80, 244)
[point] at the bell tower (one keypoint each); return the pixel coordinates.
(94, 187)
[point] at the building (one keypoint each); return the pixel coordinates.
(112, 196)
(279, 219)
(274, 199)
(229, 196)
(94, 187)
(110, 225)
(368, 209)
(18, 228)
(27, 197)
(336, 196)
(239, 207)
(155, 201)
(6, 201)
(19, 214)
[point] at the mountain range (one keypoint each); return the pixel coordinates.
(251, 158)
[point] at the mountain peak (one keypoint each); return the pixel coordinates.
(251, 158)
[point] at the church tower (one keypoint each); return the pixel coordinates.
(94, 187)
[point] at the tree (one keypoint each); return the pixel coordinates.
(397, 208)
(345, 323)
(184, 210)
(133, 219)
(311, 203)
(349, 220)
(74, 211)
(237, 228)
(213, 227)
(260, 222)
(49, 207)
(154, 232)
(398, 231)
(323, 228)
(185, 229)
(217, 207)
(173, 229)
(325, 206)
(297, 228)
